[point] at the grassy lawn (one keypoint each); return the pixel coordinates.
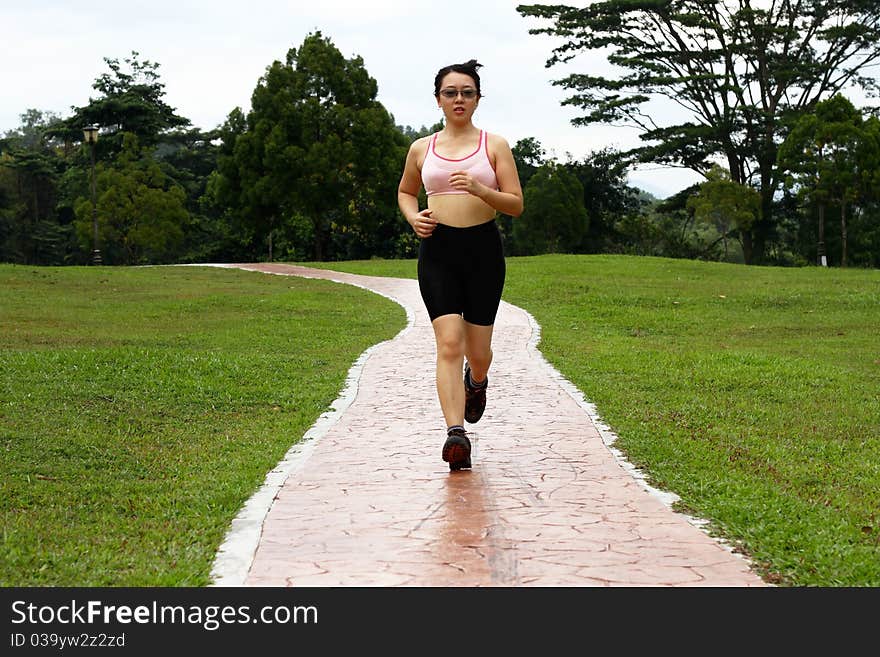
(140, 408)
(751, 392)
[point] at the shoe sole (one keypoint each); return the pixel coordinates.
(458, 456)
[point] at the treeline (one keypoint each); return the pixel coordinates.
(750, 83)
(310, 173)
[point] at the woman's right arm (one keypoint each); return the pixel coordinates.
(408, 192)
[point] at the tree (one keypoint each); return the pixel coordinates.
(665, 228)
(529, 155)
(735, 70)
(225, 192)
(607, 197)
(131, 101)
(189, 159)
(31, 134)
(141, 213)
(727, 205)
(822, 154)
(554, 219)
(316, 144)
(867, 209)
(373, 223)
(30, 169)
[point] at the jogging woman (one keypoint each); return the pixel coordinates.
(469, 175)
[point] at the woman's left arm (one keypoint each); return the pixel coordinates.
(508, 198)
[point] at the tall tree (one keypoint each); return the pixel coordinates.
(822, 153)
(529, 155)
(316, 144)
(131, 100)
(736, 70)
(189, 158)
(227, 192)
(554, 219)
(867, 209)
(31, 134)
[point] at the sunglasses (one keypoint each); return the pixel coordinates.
(467, 94)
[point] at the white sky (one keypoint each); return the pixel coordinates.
(211, 55)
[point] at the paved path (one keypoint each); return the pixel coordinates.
(547, 503)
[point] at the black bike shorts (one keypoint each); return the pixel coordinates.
(461, 272)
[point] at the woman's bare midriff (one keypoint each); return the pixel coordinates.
(460, 210)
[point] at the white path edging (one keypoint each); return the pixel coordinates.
(236, 554)
(608, 437)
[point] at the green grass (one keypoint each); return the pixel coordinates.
(140, 408)
(752, 393)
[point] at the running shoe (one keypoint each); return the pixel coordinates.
(474, 398)
(457, 450)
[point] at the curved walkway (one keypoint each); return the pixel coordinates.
(548, 502)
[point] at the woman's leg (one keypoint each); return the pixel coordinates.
(478, 350)
(450, 334)
(483, 291)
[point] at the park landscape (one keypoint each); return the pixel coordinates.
(727, 334)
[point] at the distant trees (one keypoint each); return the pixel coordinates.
(833, 157)
(141, 213)
(310, 171)
(554, 219)
(130, 101)
(737, 72)
(730, 207)
(45, 204)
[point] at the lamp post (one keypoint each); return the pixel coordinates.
(91, 135)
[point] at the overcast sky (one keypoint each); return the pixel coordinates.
(211, 55)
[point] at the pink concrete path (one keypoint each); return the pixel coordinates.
(547, 503)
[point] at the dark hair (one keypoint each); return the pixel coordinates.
(468, 68)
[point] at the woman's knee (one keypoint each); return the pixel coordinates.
(450, 347)
(450, 342)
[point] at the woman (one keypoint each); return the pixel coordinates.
(469, 175)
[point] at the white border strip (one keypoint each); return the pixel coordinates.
(235, 555)
(608, 437)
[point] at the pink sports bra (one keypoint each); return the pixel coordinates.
(436, 168)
